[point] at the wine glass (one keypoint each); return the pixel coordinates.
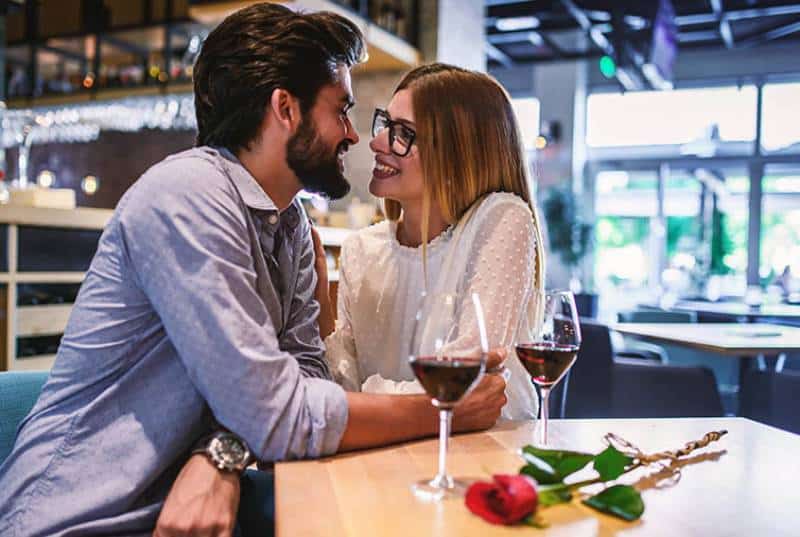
(448, 356)
(548, 348)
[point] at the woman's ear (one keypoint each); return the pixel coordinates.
(285, 108)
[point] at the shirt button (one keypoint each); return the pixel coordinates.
(273, 219)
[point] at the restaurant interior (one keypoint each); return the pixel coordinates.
(663, 138)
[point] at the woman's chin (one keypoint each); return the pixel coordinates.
(379, 187)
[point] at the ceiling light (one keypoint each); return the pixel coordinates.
(512, 24)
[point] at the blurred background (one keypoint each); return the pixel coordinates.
(664, 136)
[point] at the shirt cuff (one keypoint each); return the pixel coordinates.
(327, 406)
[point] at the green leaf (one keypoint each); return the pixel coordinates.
(553, 497)
(611, 463)
(543, 474)
(622, 501)
(562, 463)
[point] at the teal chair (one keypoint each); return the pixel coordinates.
(19, 391)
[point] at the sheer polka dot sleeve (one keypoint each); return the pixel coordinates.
(500, 269)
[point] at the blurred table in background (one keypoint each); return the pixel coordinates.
(731, 339)
(739, 311)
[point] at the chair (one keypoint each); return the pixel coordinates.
(19, 391)
(600, 387)
(588, 388)
(771, 398)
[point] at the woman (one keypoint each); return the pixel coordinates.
(450, 166)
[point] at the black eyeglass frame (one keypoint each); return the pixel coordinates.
(390, 124)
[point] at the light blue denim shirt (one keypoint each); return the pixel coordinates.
(198, 306)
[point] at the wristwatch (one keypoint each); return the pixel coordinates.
(226, 451)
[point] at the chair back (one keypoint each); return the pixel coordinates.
(665, 391)
(599, 387)
(771, 398)
(589, 385)
(19, 391)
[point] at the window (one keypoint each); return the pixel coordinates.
(527, 112)
(780, 222)
(625, 203)
(700, 119)
(705, 232)
(780, 127)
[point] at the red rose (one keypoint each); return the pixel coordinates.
(506, 501)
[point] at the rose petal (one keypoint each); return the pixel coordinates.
(506, 501)
(521, 494)
(478, 501)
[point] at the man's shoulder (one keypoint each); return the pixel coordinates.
(194, 177)
(198, 165)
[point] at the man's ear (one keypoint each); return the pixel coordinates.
(285, 107)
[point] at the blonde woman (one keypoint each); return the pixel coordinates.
(450, 166)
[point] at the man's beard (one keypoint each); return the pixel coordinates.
(315, 166)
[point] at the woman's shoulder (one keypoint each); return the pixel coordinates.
(504, 203)
(368, 238)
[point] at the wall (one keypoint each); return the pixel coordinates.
(461, 33)
(116, 158)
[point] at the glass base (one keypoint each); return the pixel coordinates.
(439, 488)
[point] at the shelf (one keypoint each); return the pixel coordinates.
(386, 50)
(44, 277)
(45, 320)
(105, 94)
(42, 362)
(80, 218)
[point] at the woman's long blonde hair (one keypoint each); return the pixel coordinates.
(469, 145)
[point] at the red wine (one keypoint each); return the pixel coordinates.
(546, 362)
(446, 379)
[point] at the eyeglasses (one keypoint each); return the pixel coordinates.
(401, 138)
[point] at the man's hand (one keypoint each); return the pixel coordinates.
(481, 407)
(321, 293)
(203, 501)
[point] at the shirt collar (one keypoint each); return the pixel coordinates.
(252, 193)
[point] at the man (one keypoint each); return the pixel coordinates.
(197, 313)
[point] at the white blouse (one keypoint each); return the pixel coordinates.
(491, 253)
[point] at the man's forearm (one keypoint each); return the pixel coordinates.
(377, 419)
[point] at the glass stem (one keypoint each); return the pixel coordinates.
(544, 412)
(445, 420)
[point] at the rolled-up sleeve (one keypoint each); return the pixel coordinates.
(186, 237)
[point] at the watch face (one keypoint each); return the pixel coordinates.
(228, 452)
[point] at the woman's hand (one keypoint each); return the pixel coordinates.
(326, 319)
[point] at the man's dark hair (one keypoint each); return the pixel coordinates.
(257, 50)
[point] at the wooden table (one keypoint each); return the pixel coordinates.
(751, 490)
(732, 339)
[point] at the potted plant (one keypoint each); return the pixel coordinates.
(570, 239)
